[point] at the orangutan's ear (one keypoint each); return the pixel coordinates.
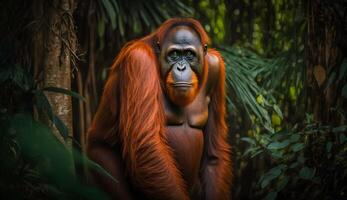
(157, 47)
(205, 49)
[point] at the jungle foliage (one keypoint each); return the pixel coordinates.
(287, 88)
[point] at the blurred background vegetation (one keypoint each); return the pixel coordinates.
(286, 77)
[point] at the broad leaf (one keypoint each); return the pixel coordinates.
(64, 91)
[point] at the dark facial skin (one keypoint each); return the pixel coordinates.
(182, 56)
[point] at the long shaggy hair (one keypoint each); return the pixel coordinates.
(131, 116)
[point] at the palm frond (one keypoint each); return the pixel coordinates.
(144, 15)
(242, 68)
(255, 83)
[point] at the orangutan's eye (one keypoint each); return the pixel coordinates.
(190, 55)
(173, 55)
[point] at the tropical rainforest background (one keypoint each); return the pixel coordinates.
(286, 76)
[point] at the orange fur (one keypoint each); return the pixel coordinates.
(216, 169)
(131, 116)
(160, 33)
(135, 103)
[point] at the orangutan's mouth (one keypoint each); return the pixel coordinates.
(182, 84)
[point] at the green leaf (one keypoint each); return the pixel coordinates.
(268, 127)
(329, 145)
(301, 159)
(60, 126)
(278, 111)
(278, 145)
(101, 27)
(265, 182)
(121, 24)
(83, 159)
(153, 13)
(271, 196)
(276, 171)
(144, 17)
(309, 117)
(343, 69)
(43, 104)
(115, 5)
(111, 12)
(294, 138)
(306, 173)
(331, 79)
(344, 91)
(248, 151)
(294, 165)
(248, 140)
(261, 100)
(298, 146)
(282, 183)
(256, 152)
(64, 91)
(340, 129)
(51, 159)
(271, 175)
(277, 154)
(343, 138)
(246, 92)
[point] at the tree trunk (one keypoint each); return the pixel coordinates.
(324, 56)
(54, 51)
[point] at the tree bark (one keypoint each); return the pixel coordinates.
(323, 56)
(55, 49)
